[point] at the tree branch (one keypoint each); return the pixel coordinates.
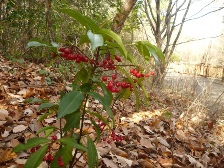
(201, 16)
(180, 29)
(148, 16)
(192, 40)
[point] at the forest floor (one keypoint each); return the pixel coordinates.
(176, 130)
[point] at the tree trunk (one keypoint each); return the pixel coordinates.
(120, 17)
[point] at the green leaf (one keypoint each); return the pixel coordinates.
(72, 121)
(56, 45)
(84, 39)
(86, 87)
(83, 20)
(45, 105)
(65, 153)
(70, 103)
(107, 94)
(91, 153)
(46, 128)
(72, 142)
(99, 117)
(36, 44)
(31, 143)
(82, 76)
(105, 102)
(97, 129)
(42, 117)
(48, 132)
(147, 49)
(36, 158)
(115, 37)
(96, 40)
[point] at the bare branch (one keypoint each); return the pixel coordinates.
(180, 29)
(201, 15)
(192, 40)
(151, 12)
(203, 8)
(178, 8)
(149, 18)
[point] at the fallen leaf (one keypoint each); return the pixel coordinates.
(109, 163)
(145, 164)
(119, 152)
(5, 134)
(7, 155)
(19, 128)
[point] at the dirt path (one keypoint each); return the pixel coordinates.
(209, 89)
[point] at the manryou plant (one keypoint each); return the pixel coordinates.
(101, 76)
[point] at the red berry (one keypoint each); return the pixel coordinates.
(142, 75)
(108, 141)
(132, 70)
(118, 84)
(32, 150)
(147, 75)
(138, 75)
(59, 158)
(68, 51)
(104, 62)
(54, 137)
(111, 62)
(62, 49)
(152, 73)
(50, 157)
(118, 59)
(44, 158)
(135, 72)
(104, 78)
(61, 163)
(113, 90)
(92, 61)
(117, 90)
(114, 76)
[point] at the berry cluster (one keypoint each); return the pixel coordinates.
(101, 125)
(34, 149)
(107, 63)
(69, 54)
(60, 161)
(138, 74)
(115, 87)
(113, 137)
(49, 158)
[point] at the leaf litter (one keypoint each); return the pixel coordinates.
(155, 136)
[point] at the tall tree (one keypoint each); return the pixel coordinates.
(122, 15)
(162, 19)
(166, 19)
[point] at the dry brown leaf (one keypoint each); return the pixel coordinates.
(109, 163)
(165, 162)
(145, 164)
(7, 155)
(3, 114)
(146, 143)
(119, 152)
(163, 141)
(19, 128)
(121, 161)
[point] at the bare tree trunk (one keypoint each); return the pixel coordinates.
(120, 18)
(49, 24)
